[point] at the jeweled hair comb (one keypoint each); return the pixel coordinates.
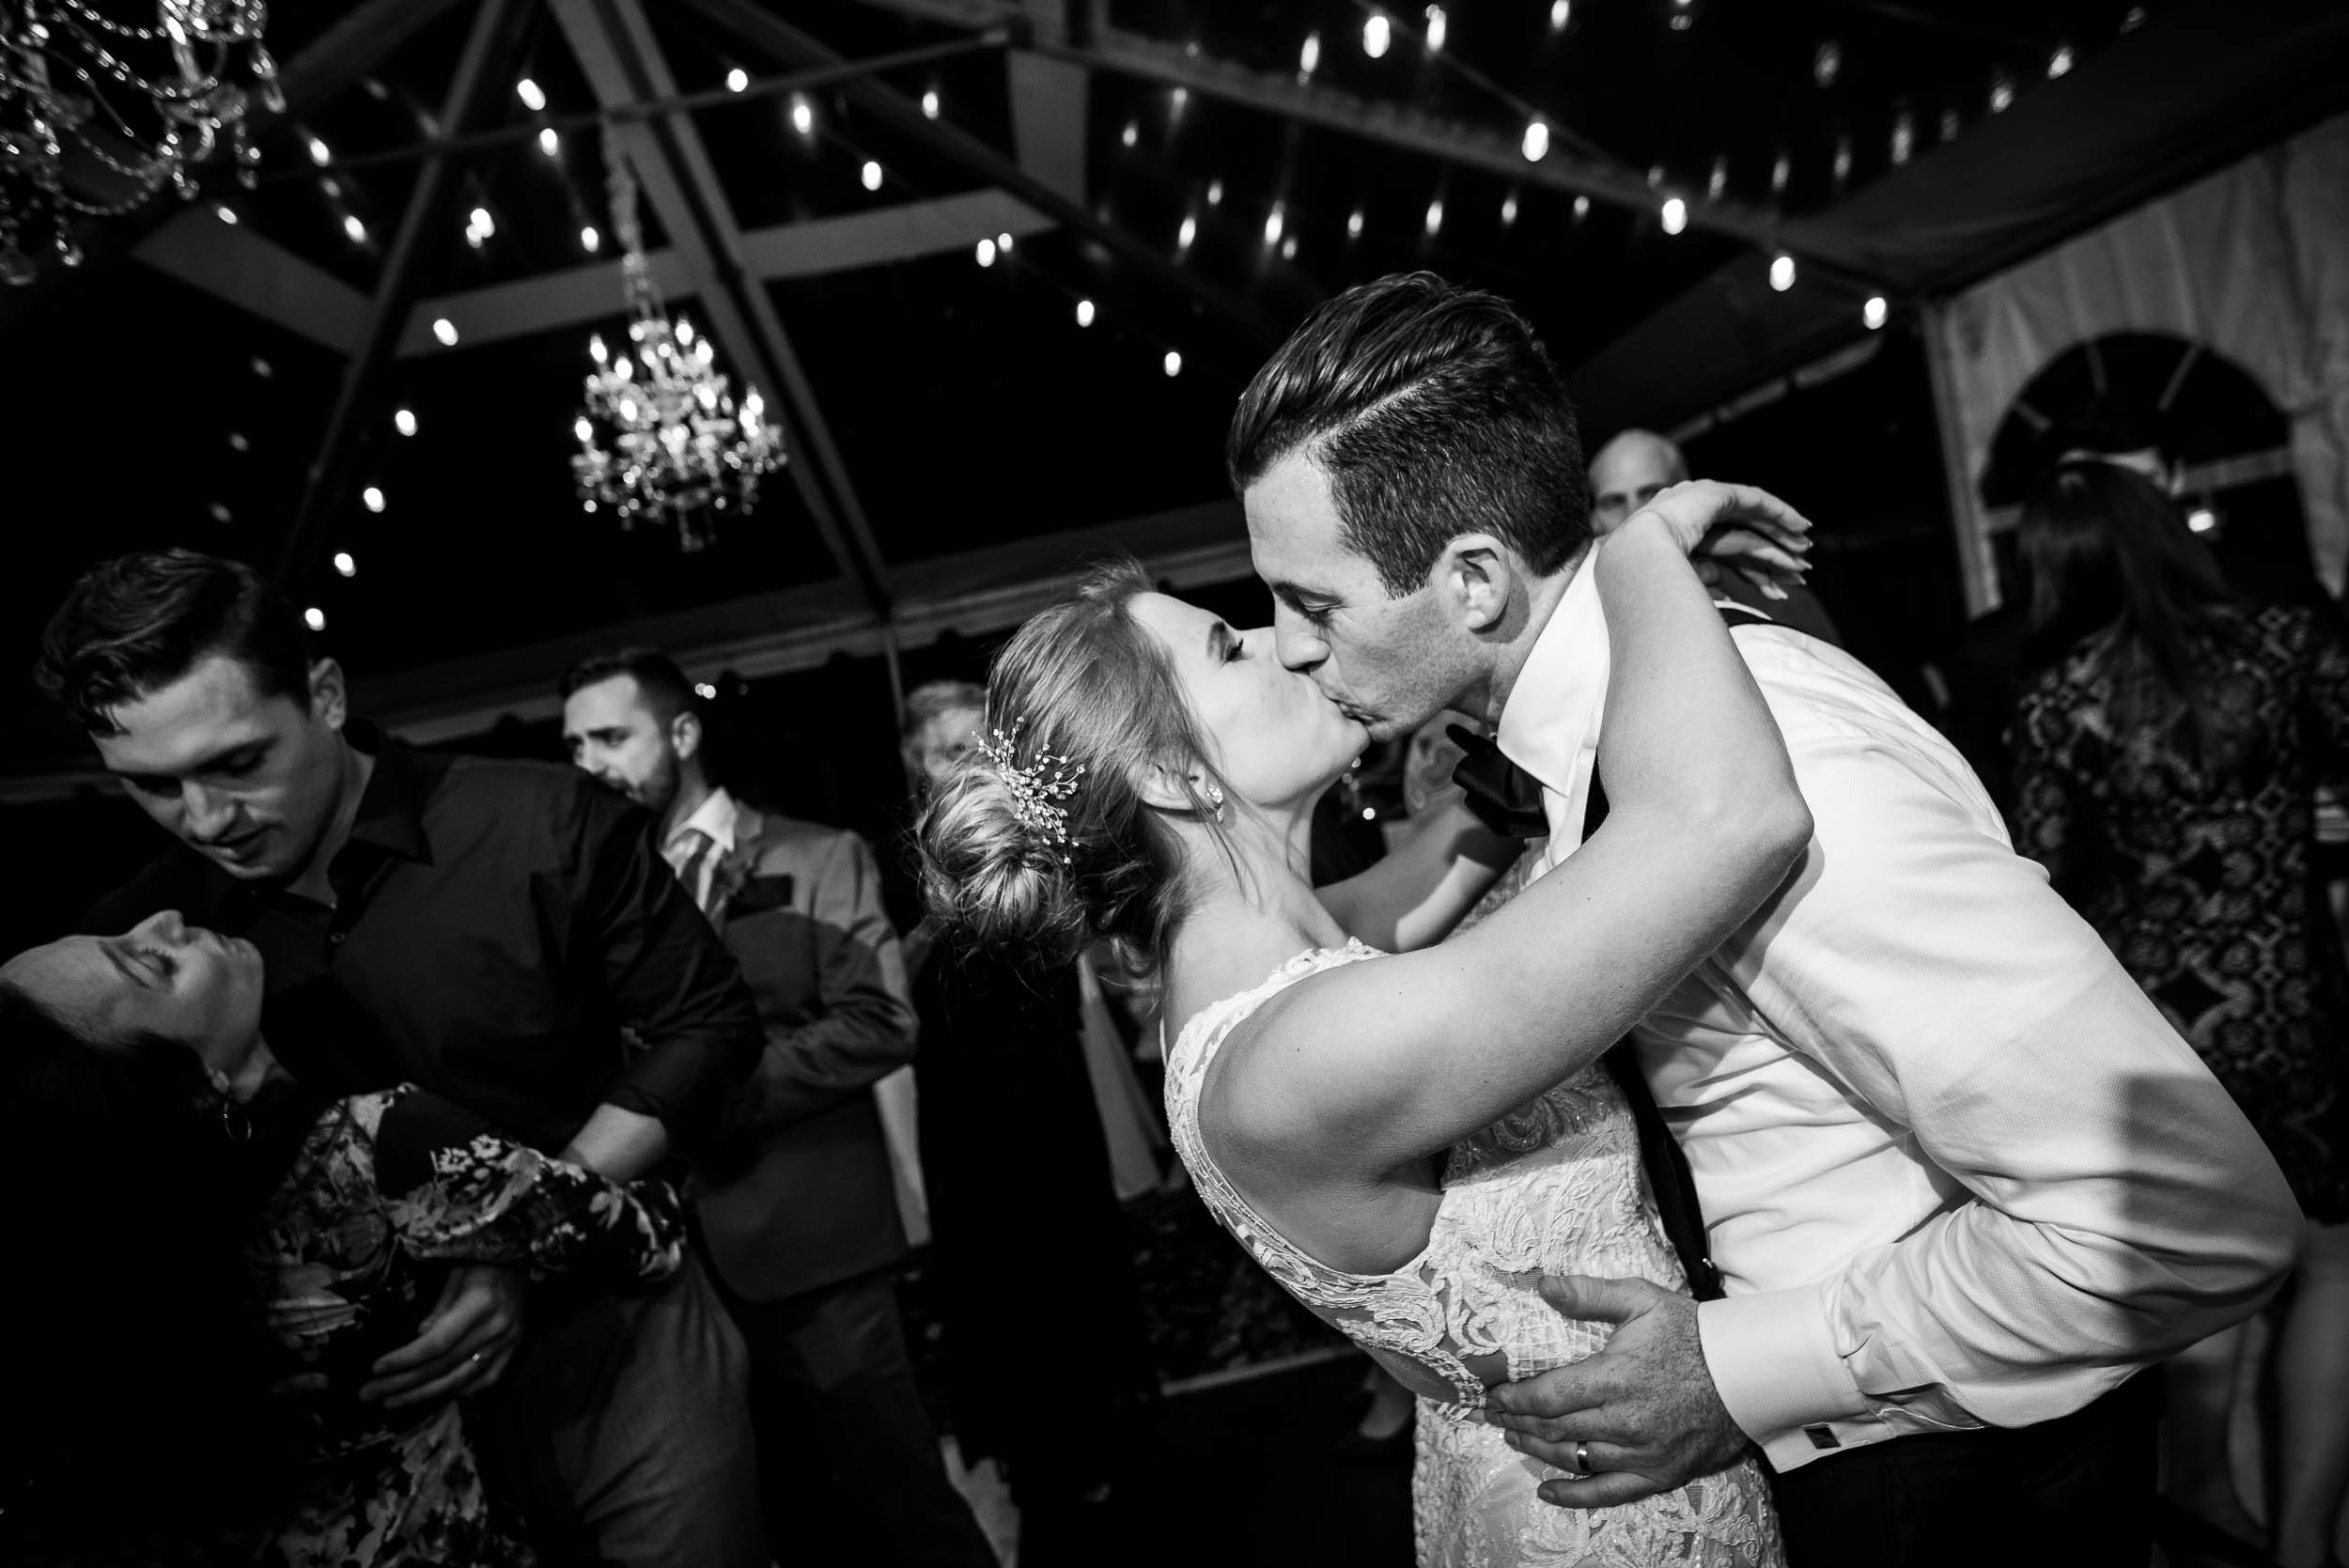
(1038, 789)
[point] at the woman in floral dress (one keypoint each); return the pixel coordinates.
(343, 1251)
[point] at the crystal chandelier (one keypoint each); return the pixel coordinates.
(660, 436)
(87, 101)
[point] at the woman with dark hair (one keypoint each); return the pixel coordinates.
(2168, 747)
(1149, 775)
(217, 1289)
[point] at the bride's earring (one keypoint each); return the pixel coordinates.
(1215, 793)
(234, 1123)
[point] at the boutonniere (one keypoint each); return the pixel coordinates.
(733, 869)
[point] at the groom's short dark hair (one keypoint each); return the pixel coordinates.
(1434, 412)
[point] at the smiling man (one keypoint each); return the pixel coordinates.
(485, 929)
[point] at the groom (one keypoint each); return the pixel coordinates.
(1959, 1179)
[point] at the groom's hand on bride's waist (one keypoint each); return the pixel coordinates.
(1642, 1413)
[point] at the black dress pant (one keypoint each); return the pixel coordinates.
(2078, 1490)
(849, 1462)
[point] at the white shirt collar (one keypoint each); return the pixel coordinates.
(1550, 726)
(715, 816)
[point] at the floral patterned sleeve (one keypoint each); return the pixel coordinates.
(2326, 661)
(2043, 797)
(488, 1199)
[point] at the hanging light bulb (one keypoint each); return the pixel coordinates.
(738, 78)
(1509, 209)
(314, 618)
(802, 115)
(1185, 235)
(929, 103)
(1434, 217)
(1288, 248)
(527, 91)
(2059, 63)
(1084, 313)
(1558, 11)
(1781, 271)
(1536, 143)
(1581, 208)
(590, 240)
(549, 143)
(1353, 223)
(986, 253)
(354, 228)
(1675, 214)
(227, 214)
(1002, 241)
(404, 421)
(1780, 166)
(1272, 225)
(1375, 35)
(346, 563)
(1176, 102)
(584, 430)
(2202, 519)
(373, 497)
(1843, 160)
(1215, 191)
(1131, 134)
(2001, 91)
(1827, 63)
(482, 221)
(318, 153)
(872, 175)
(1436, 29)
(1309, 56)
(1875, 312)
(1717, 180)
(1173, 362)
(445, 330)
(1904, 136)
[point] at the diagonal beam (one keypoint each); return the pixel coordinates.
(574, 296)
(487, 45)
(1047, 105)
(747, 20)
(231, 262)
(614, 71)
(1433, 136)
(330, 62)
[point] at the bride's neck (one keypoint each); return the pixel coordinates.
(255, 1072)
(1251, 909)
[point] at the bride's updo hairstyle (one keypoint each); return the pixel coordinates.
(1081, 685)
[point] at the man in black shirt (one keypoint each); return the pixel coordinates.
(505, 934)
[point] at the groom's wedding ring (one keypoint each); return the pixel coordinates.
(1583, 1456)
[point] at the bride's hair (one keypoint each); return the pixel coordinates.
(1081, 685)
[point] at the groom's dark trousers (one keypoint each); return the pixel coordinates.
(2078, 1490)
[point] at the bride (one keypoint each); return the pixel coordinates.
(1407, 1143)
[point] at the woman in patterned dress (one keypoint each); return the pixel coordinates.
(336, 1223)
(2168, 748)
(1151, 777)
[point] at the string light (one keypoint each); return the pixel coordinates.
(227, 214)
(1827, 63)
(482, 221)
(2202, 519)
(1581, 208)
(352, 227)
(345, 563)
(1949, 125)
(590, 240)
(318, 153)
(333, 187)
(1131, 134)
(1272, 225)
(549, 143)
(1185, 235)
(986, 253)
(1509, 209)
(583, 429)
(1434, 217)
(802, 116)
(2001, 91)
(1436, 29)
(1353, 223)
(1558, 11)
(314, 618)
(1717, 180)
(737, 80)
(704, 690)
(1781, 167)
(404, 421)
(1175, 103)
(1904, 136)
(1843, 158)
(872, 175)
(1173, 362)
(1875, 312)
(220, 513)
(1675, 214)
(445, 330)
(1215, 191)
(1002, 243)
(2060, 62)
(1084, 313)
(1781, 271)
(1536, 143)
(1310, 55)
(1375, 35)
(1288, 248)
(929, 103)
(373, 496)
(527, 91)
(237, 441)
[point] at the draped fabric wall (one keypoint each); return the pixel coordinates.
(2252, 263)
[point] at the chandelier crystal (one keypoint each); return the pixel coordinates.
(96, 115)
(660, 436)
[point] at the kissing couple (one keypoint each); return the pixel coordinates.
(1956, 1182)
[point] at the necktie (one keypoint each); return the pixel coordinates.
(688, 854)
(1508, 799)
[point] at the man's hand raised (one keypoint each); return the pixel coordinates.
(1642, 1411)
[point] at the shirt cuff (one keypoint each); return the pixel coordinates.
(1774, 1363)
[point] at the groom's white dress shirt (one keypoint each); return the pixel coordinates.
(1956, 1170)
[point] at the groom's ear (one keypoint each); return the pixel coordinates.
(1478, 578)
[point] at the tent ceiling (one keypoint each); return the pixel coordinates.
(233, 386)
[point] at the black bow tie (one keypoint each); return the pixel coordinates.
(1504, 796)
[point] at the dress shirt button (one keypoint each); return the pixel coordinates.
(337, 937)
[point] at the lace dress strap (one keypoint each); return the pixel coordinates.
(1402, 1315)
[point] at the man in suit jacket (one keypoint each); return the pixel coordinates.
(796, 1202)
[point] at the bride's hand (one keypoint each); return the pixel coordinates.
(1734, 526)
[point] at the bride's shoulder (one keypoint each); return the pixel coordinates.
(1209, 1001)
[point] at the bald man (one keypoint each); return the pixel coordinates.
(1627, 474)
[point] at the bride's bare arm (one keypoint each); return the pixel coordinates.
(1371, 1066)
(1425, 885)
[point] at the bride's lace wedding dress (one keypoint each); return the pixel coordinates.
(1553, 1187)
